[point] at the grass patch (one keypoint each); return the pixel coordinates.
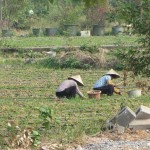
(22, 42)
(27, 100)
(24, 88)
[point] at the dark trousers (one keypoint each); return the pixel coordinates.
(68, 93)
(108, 89)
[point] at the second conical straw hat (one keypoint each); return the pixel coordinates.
(114, 73)
(78, 79)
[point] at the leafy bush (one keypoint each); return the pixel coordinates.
(136, 13)
(70, 62)
(131, 59)
(49, 63)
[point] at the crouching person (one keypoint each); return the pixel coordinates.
(105, 84)
(69, 88)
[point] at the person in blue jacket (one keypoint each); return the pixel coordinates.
(105, 84)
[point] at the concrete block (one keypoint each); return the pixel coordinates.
(125, 116)
(108, 126)
(86, 33)
(120, 129)
(140, 124)
(143, 112)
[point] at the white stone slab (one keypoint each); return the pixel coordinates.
(143, 112)
(85, 33)
(120, 129)
(140, 124)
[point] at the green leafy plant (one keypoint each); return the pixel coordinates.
(47, 115)
(35, 136)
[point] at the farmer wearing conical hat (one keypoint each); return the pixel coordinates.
(69, 88)
(105, 84)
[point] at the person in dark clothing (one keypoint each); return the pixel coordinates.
(69, 88)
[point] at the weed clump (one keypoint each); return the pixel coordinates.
(74, 59)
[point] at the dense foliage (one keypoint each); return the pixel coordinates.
(137, 13)
(26, 12)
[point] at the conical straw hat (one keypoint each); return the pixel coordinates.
(113, 72)
(78, 79)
